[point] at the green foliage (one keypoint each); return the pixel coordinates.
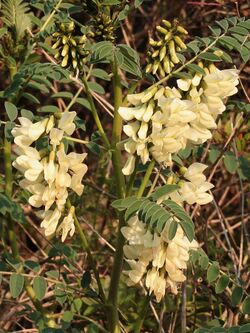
(86, 280)
(229, 34)
(209, 57)
(213, 272)
(126, 58)
(246, 305)
(237, 294)
(16, 284)
(37, 76)
(11, 110)
(163, 190)
(155, 215)
(230, 162)
(102, 52)
(233, 329)
(40, 86)
(221, 284)
(40, 286)
(11, 207)
(15, 15)
(100, 73)
(182, 217)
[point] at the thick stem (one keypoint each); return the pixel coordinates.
(113, 315)
(116, 133)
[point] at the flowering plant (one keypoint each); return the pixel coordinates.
(152, 181)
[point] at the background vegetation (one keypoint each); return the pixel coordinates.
(216, 294)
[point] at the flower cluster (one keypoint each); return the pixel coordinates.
(49, 173)
(193, 188)
(161, 260)
(162, 121)
(156, 257)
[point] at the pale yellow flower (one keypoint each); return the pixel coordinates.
(196, 193)
(221, 83)
(67, 225)
(50, 221)
(131, 129)
(32, 130)
(30, 167)
(161, 260)
(55, 136)
(129, 166)
(50, 169)
(66, 122)
(194, 173)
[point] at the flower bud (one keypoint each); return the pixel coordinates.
(179, 42)
(161, 30)
(173, 55)
(166, 65)
(170, 180)
(167, 23)
(163, 53)
(182, 170)
(168, 36)
(181, 30)
(155, 54)
(148, 94)
(65, 50)
(152, 42)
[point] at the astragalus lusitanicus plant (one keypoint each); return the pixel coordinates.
(152, 130)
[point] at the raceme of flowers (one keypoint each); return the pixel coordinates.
(162, 121)
(152, 256)
(50, 173)
(193, 188)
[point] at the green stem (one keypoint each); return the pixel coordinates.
(69, 138)
(146, 179)
(95, 114)
(51, 16)
(131, 180)
(116, 133)
(85, 246)
(72, 102)
(113, 315)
